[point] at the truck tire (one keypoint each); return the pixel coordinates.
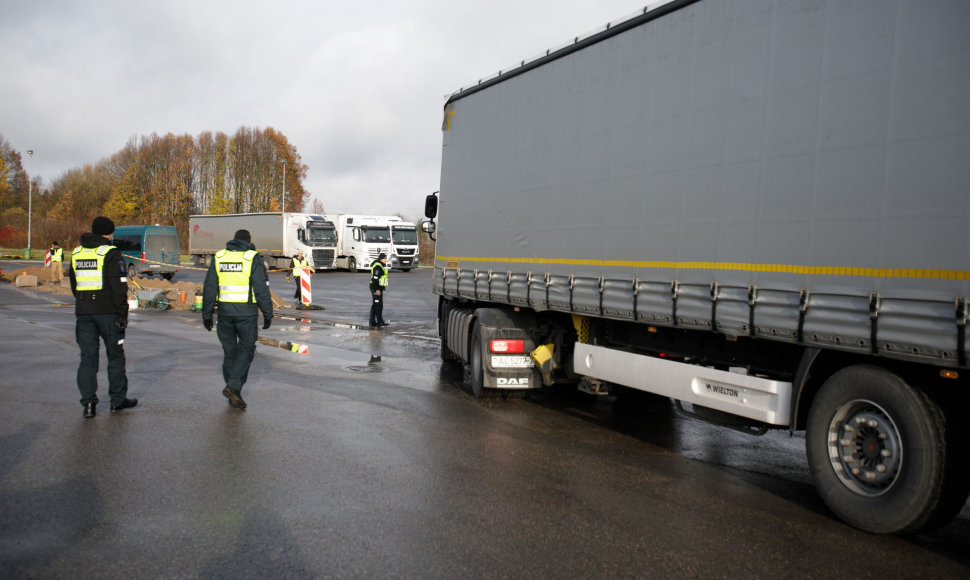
(877, 451)
(351, 264)
(476, 363)
(446, 355)
(131, 271)
(168, 275)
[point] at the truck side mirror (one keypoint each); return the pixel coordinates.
(431, 206)
(428, 227)
(301, 235)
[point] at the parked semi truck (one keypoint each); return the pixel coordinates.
(277, 236)
(404, 244)
(757, 209)
(361, 239)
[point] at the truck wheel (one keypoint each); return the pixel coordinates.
(476, 364)
(168, 275)
(877, 450)
(131, 271)
(446, 355)
(352, 264)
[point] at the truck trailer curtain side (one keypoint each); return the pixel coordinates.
(771, 189)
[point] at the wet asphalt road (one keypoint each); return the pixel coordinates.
(345, 466)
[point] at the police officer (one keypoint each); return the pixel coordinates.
(57, 262)
(378, 285)
(100, 288)
(237, 281)
(299, 262)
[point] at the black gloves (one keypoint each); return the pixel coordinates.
(207, 323)
(267, 322)
(121, 323)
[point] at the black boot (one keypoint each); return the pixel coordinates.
(126, 404)
(89, 411)
(235, 398)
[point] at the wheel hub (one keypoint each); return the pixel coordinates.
(864, 448)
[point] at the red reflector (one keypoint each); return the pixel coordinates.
(506, 345)
(143, 257)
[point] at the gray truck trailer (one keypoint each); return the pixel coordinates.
(759, 209)
(277, 236)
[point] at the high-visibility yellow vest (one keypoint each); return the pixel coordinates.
(234, 270)
(298, 265)
(57, 255)
(382, 281)
(88, 265)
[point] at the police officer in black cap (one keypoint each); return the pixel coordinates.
(100, 288)
(237, 281)
(378, 286)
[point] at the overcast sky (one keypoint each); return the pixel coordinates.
(357, 87)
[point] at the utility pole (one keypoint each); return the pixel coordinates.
(30, 203)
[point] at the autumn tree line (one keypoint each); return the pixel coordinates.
(152, 180)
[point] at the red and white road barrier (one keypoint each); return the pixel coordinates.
(305, 286)
(47, 259)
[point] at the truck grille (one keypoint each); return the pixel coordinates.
(404, 251)
(322, 258)
(373, 253)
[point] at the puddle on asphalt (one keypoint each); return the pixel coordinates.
(308, 324)
(285, 345)
(373, 366)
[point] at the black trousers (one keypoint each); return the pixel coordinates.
(238, 337)
(298, 288)
(377, 308)
(89, 331)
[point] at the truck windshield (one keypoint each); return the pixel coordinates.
(322, 235)
(405, 236)
(377, 235)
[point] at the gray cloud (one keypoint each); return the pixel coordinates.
(358, 88)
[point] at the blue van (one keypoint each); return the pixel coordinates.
(148, 250)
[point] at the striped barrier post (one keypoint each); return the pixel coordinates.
(47, 259)
(305, 286)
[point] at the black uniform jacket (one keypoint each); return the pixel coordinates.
(376, 273)
(112, 298)
(257, 281)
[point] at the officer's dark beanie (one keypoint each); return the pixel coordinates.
(382, 256)
(102, 226)
(243, 235)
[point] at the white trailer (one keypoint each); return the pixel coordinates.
(360, 240)
(277, 237)
(757, 209)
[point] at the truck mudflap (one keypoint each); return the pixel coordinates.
(505, 370)
(493, 344)
(764, 400)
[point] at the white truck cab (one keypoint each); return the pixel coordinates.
(404, 244)
(360, 240)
